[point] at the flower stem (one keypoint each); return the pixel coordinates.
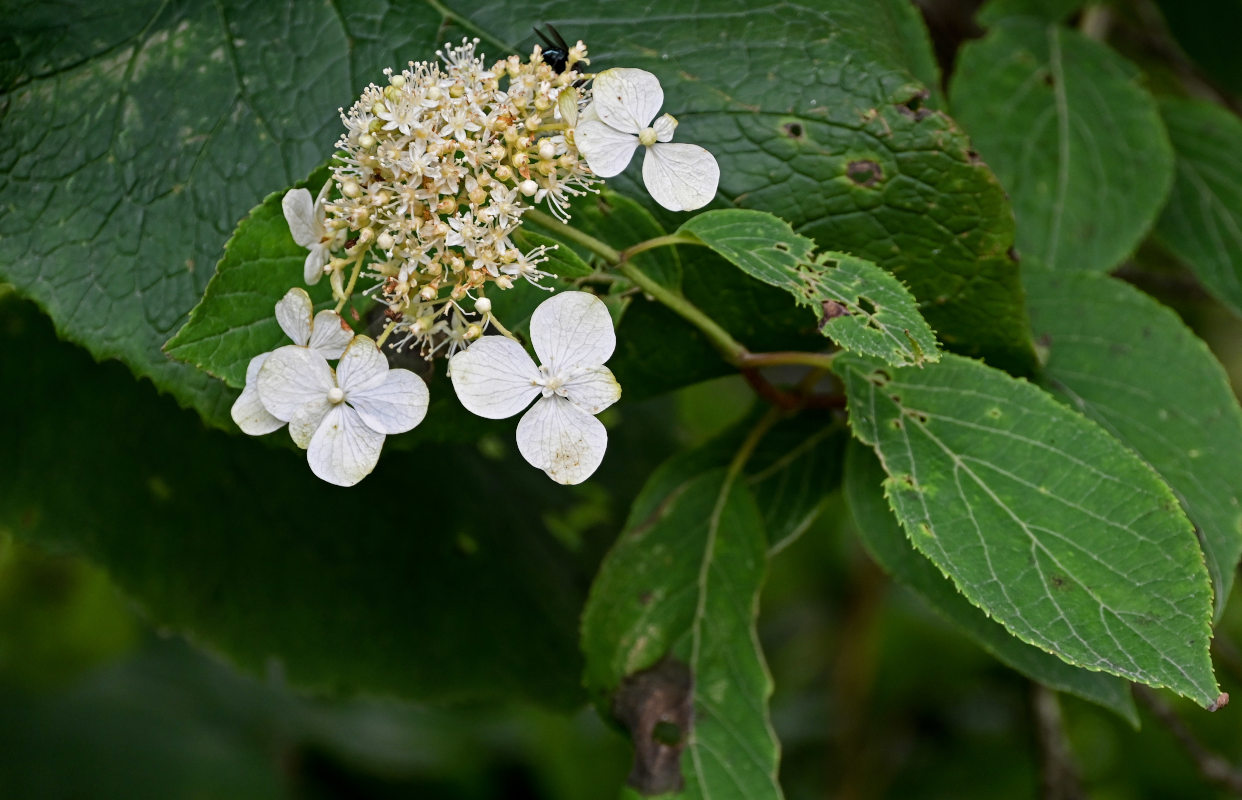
(658, 241)
(573, 234)
(733, 351)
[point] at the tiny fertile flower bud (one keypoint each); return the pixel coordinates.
(397, 80)
(385, 241)
(434, 93)
(478, 196)
(366, 141)
(483, 305)
(350, 188)
(457, 263)
(378, 106)
(366, 235)
(547, 150)
(427, 293)
(521, 159)
(503, 173)
(447, 206)
(528, 187)
(473, 331)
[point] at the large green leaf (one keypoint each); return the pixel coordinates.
(1202, 224)
(863, 308)
(134, 140)
(1130, 364)
(668, 634)
(882, 536)
(435, 578)
(1041, 518)
(1064, 122)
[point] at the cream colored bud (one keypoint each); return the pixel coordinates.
(457, 263)
(504, 282)
(366, 141)
(458, 292)
(521, 159)
(483, 305)
(378, 106)
(385, 241)
(434, 93)
(381, 198)
(366, 235)
(427, 293)
(504, 173)
(391, 92)
(448, 205)
(542, 103)
(473, 331)
(397, 80)
(547, 150)
(528, 187)
(456, 90)
(478, 196)
(350, 188)
(375, 125)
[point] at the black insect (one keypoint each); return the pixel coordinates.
(555, 51)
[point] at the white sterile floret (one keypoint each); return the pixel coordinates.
(573, 337)
(680, 177)
(341, 417)
(325, 333)
(306, 220)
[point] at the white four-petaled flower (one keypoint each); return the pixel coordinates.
(573, 337)
(306, 223)
(680, 177)
(341, 417)
(325, 333)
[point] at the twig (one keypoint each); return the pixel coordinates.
(1212, 766)
(1058, 772)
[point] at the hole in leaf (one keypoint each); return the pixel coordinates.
(793, 130)
(666, 733)
(782, 246)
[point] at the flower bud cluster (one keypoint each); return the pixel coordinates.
(432, 177)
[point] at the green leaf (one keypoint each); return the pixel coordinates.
(1202, 224)
(562, 261)
(669, 631)
(1130, 364)
(235, 320)
(1063, 121)
(883, 538)
(864, 309)
(423, 592)
(1041, 518)
(119, 201)
(791, 473)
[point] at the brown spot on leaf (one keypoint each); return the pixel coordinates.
(793, 130)
(832, 310)
(656, 706)
(1220, 702)
(864, 172)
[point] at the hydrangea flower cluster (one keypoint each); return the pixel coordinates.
(434, 173)
(431, 180)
